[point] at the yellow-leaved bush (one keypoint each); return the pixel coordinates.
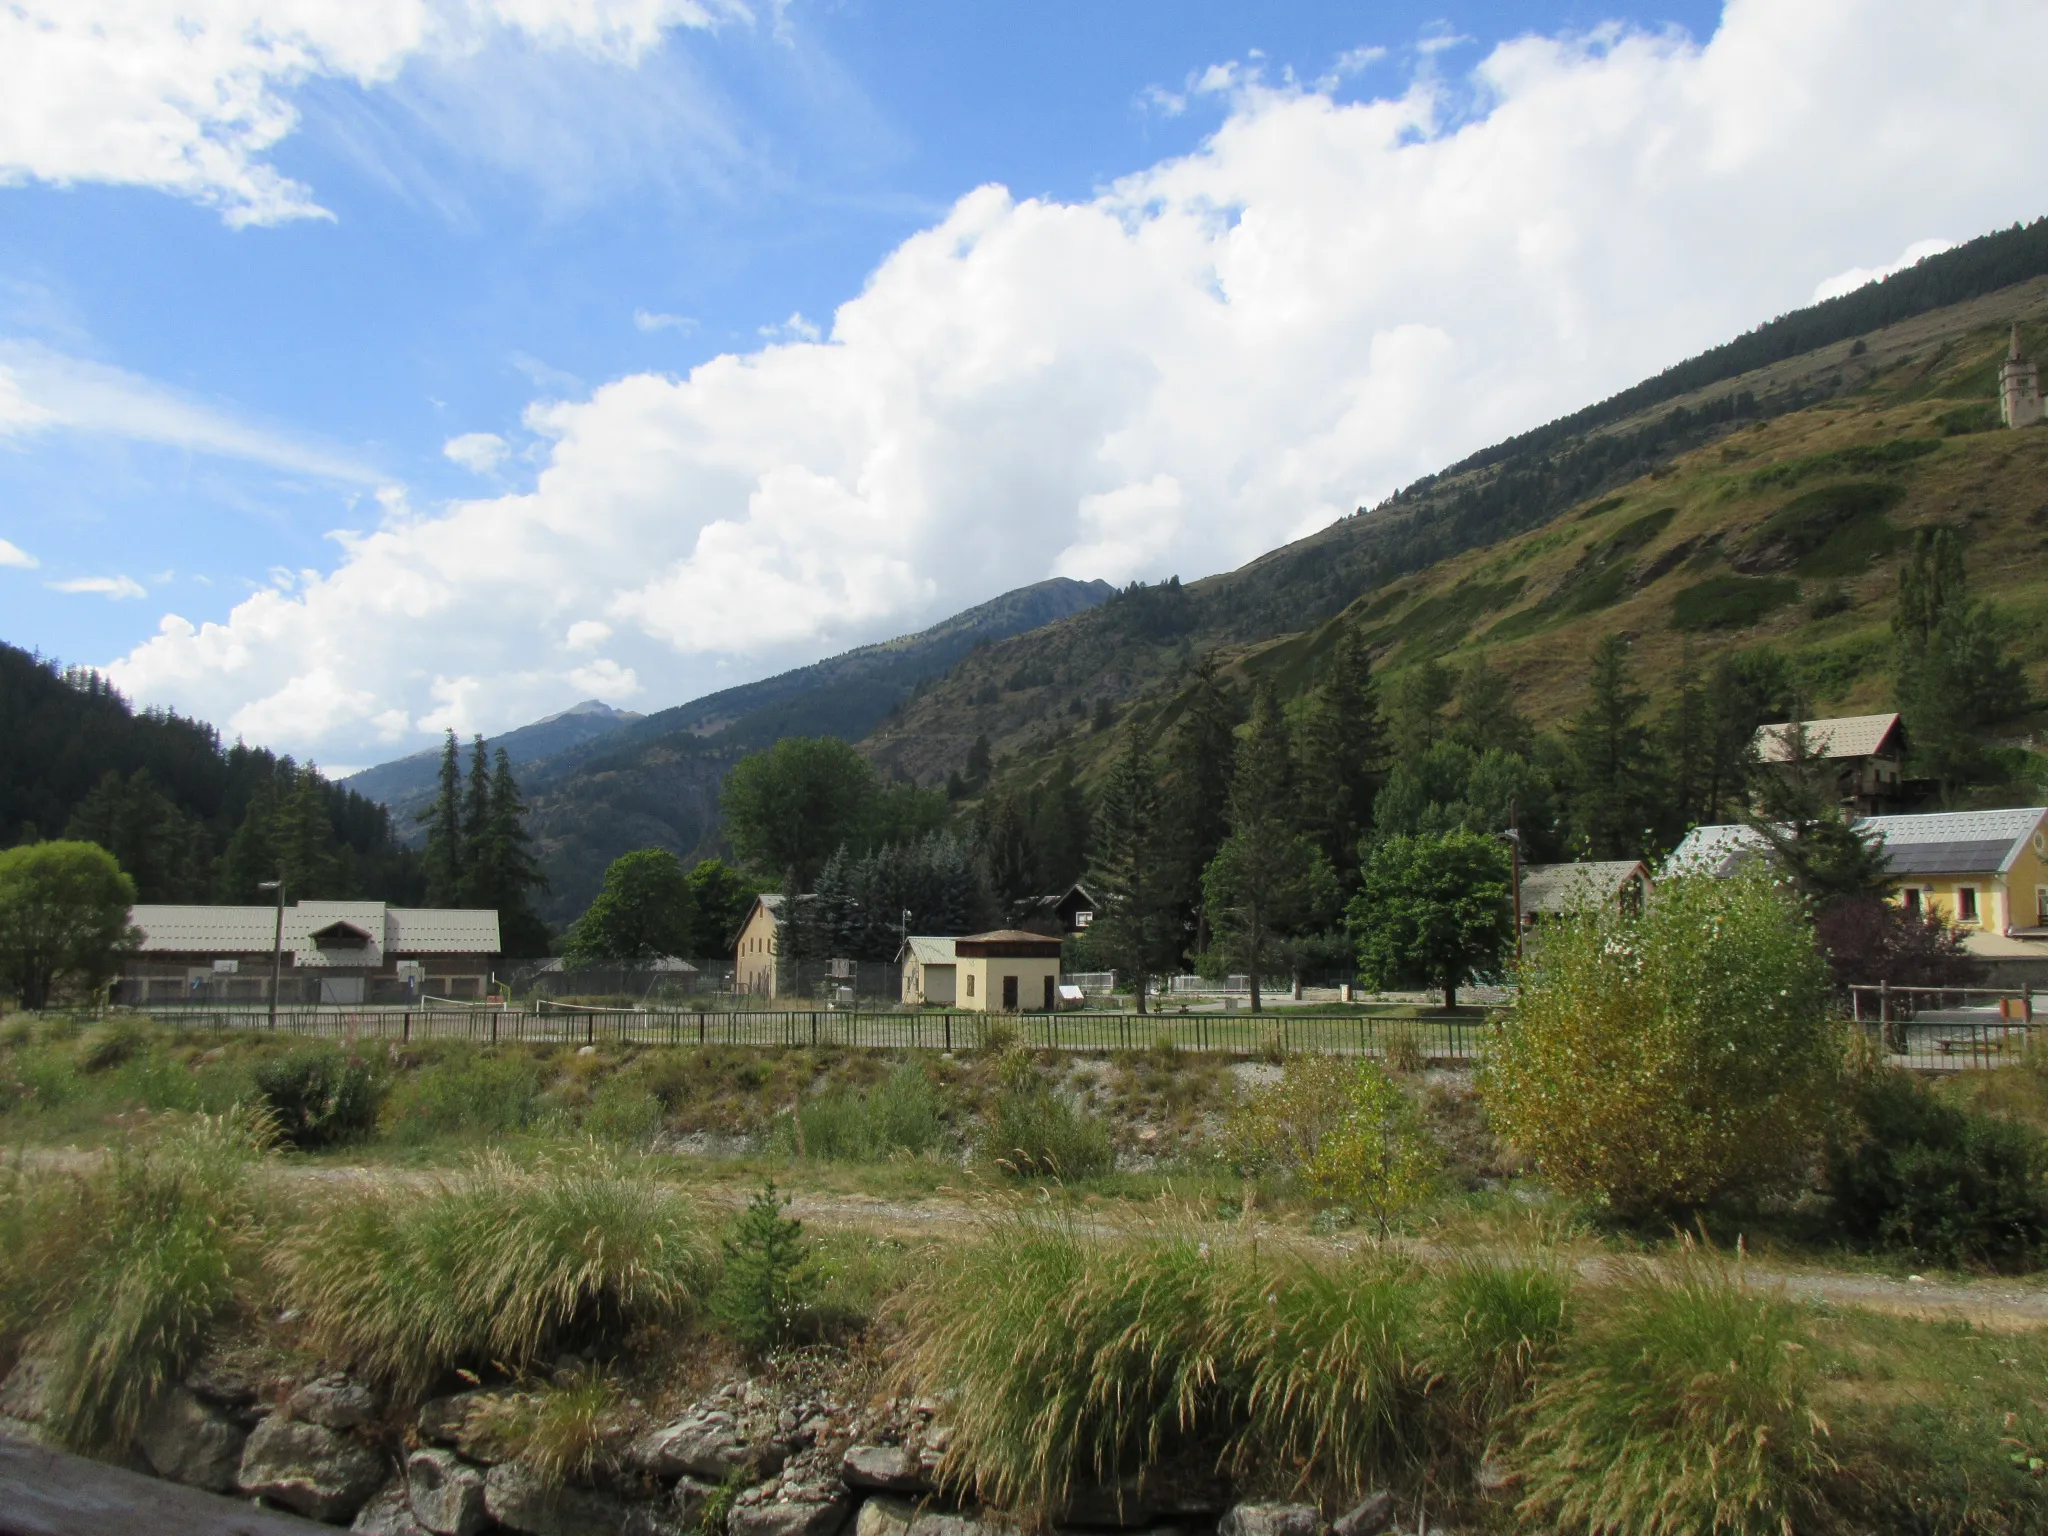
(1661, 1059)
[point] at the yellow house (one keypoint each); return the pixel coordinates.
(930, 971)
(1984, 871)
(1008, 971)
(754, 952)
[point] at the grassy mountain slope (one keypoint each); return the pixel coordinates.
(1734, 514)
(655, 783)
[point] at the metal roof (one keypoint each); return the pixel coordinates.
(252, 930)
(1566, 887)
(1941, 843)
(926, 950)
(1843, 736)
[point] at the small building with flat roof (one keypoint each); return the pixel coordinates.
(1008, 971)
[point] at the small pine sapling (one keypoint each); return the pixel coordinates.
(770, 1277)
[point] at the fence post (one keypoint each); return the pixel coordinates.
(408, 1027)
(494, 1029)
(949, 1031)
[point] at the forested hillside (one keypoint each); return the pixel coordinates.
(189, 818)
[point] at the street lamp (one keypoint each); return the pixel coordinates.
(1513, 838)
(276, 943)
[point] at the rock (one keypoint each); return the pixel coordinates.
(222, 1385)
(519, 1501)
(885, 1517)
(687, 1500)
(1271, 1520)
(188, 1442)
(309, 1468)
(388, 1514)
(891, 1468)
(448, 1493)
(451, 1421)
(808, 1499)
(1373, 1517)
(930, 1524)
(703, 1444)
(25, 1392)
(334, 1402)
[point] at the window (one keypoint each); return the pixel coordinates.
(2041, 906)
(970, 983)
(1966, 904)
(1912, 898)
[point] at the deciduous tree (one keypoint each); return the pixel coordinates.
(63, 917)
(642, 913)
(787, 809)
(1433, 911)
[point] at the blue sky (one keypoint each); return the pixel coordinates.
(540, 316)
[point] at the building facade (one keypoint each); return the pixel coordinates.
(2019, 387)
(334, 952)
(1008, 971)
(1551, 891)
(931, 971)
(754, 970)
(1866, 752)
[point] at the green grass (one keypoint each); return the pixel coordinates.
(1731, 602)
(904, 1113)
(495, 1266)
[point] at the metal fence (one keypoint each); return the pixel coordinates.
(1452, 1039)
(1947, 1029)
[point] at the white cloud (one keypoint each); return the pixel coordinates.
(1217, 353)
(189, 98)
(605, 679)
(648, 320)
(116, 588)
(795, 328)
(42, 391)
(587, 634)
(1857, 277)
(478, 452)
(14, 555)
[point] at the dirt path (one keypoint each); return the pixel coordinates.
(2006, 1303)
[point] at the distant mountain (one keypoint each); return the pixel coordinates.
(654, 782)
(407, 785)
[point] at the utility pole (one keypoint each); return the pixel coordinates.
(1513, 838)
(277, 941)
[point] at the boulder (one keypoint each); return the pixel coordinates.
(889, 1468)
(388, 1514)
(220, 1384)
(452, 1421)
(448, 1493)
(309, 1468)
(808, 1499)
(1373, 1516)
(885, 1517)
(939, 1524)
(521, 1502)
(706, 1444)
(1271, 1520)
(188, 1442)
(334, 1402)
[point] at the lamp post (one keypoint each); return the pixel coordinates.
(276, 943)
(1513, 838)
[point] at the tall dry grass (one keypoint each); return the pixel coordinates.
(495, 1265)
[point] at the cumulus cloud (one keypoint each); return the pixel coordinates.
(1217, 353)
(116, 588)
(650, 321)
(16, 556)
(477, 452)
(188, 98)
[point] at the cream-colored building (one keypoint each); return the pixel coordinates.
(930, 971)
(1866, 752)
(1008, 971)
(754, 952)
(1984, 871)
(2019, 387)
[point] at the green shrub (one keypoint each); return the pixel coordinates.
(1660, 1059)
(47, 1078)
(1492, 1326)
(770, 1282)
(317, 1096)
(113, 1044)
(122, 1272)
(1279, 1128)
(1378, 1157)
(495, 1265)
(1035, 1134)
(472, 1093)
(1966, 419)
(1939, 1181)
(1681, 1405)
(902, 1113)
(568, 1431)
(1731, 602)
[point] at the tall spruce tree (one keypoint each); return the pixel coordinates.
(476, 813)
(444, 831)
(1267, 881)
(1611, 759)
(502, 870)
(1800, 818)
(1343, 755)
(1486, 719)
(1953, 675)
(1685, 745)
(1197, 801)
(1137, 926)
(1415, 701)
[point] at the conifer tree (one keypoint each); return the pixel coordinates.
(1137, 927)
(1343, 755)
(1267, 881)
(502, 869)
(1610, 752)
(1415, 703)
(1798, 816)
(1197, 800)
(1059, 830)
(444, 832)
(1953, 675)
(1486, 718)
(476, 818)
(1686, 749)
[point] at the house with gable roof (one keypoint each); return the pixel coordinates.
(1867, 752)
